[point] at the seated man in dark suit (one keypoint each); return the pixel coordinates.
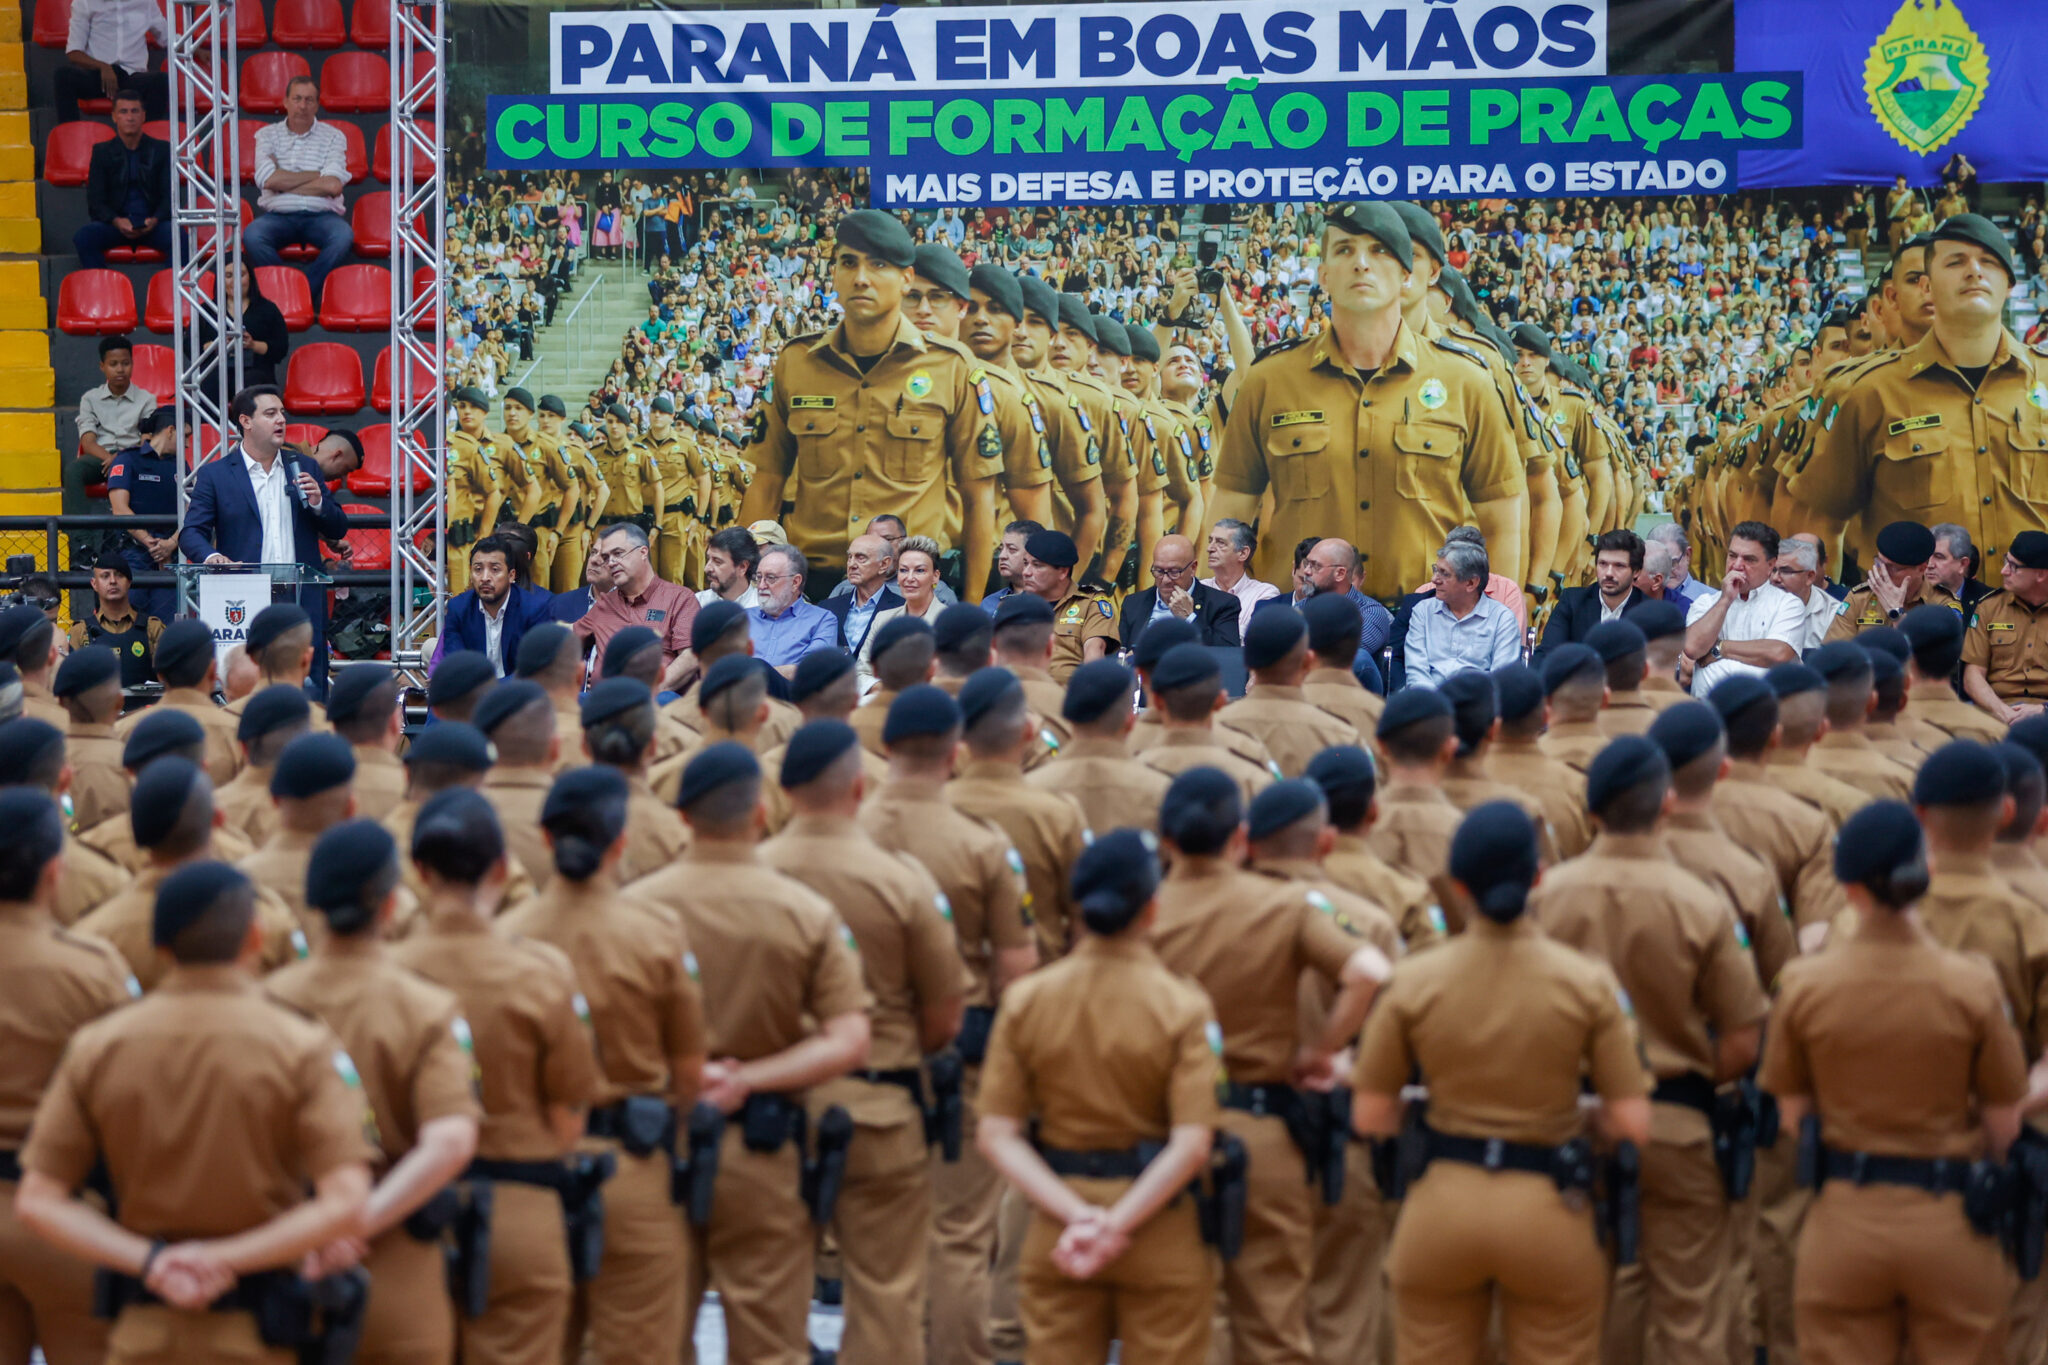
(1211, 611)
(1617, 559)
(870, 565)
(571, 607)
(127, 190)
(492, 614)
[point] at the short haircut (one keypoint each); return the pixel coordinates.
(1466, 560)
(127, 95)
(906, 661)
(1625, 674)
(297, 81)
(624, 528)
(1023, 526)
(1623, 541)
(736, 707)
(1802, 555)
(924, 544)
(1421, 742)
(32, 653)
(1757, 533)
(997, 727)
(788, 554)
(522, 737)
(1242, 535)
(109, 345)
(1672, 534)
(890, 517)
(1954, 539)
(1023, 639)
(188, 672)
(1190, 703)
(738, 544)
(217, 934)
(281, 655)
(1750, 729)
(243, 404)
(1635, 809)
(372, 715)
(727, 808)
(264, 749)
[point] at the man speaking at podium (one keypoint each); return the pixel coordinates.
(260, 504)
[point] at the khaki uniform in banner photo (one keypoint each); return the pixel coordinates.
(472, 490)
(549, 472)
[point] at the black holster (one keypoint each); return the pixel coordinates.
(583, 1212)
(1624, 1206)
(1219, 1207)
(2027, 1164)
(694, 1176)
(340, 1300)
(1399, 1161)
(768, 1121)
(975, 1026)
(468, 1252)
(641, 1124)
(688, 506)
(946, 1120)
(1988, 1198)
(427, 1222)
(644, 520)
(725, 515)
(546, 517)
(1336, 1143)
(1806, 1164)
(1736, 1124)
(825, 1169)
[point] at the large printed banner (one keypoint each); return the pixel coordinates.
(1897, 87)
(1073, 104)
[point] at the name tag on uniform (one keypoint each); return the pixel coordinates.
(1998, 625)
(811, 400)
(1906, 424)
(1295, 419)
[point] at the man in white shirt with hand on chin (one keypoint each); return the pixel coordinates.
(1750, 624)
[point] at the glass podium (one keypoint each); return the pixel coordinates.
(228, 596)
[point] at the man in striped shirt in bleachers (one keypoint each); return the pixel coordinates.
(301, 168)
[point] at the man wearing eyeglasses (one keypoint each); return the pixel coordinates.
(784, 626)
(637, 597)
(1212, 612)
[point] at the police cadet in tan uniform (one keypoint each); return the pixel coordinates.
(1071, 352)
(1024, 641)
(1567, 413)
(1186, 689)
(903, 655)
(1802, 716)
(213, 1109)
(1889, 655)
(1099, 1106)
(535, 1068)
(1334, 631)
(618, 727)
(313, 785)
(1417, 736)
(1468, 780)
(825, 686)
(1934, 714)
(362, 706)
(872, 416)
(1625, 654)
(2003, 670)
(638, 492)
(173, 733)
(1084, 623)
(983, 881)
(1903, 1053)
(412, 1047)
(686, 485)
(1247, 942)
(1275, 710)
(1845, 752)
(476, 486)
(280, 644)
(582, 506)
(1575, 680)
(52, 983)
(28, 640)
(1517, 760)
(1182, 510)
(1897, 583)
(1486, 1223)
(1350, 786)
(88, 684)
(451, 753)
(517, 717)
(1663, 627)
(1095, 768)
(786, 1012)
(634, 962)
(272, 717)
(552, 485)
(1010, 320)
(185, 663)
(1369, 431)
(911, 965)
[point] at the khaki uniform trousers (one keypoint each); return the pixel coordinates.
(757, 1253)
(2028, 1344)
(548, 545)
(565, 574)
(1781, 1209)
(526, 1317)
(633, 1309)
(1155, 1298)
(966, 1198)
(1347, 1298)
(1467, 1237)
(152, 1334)
(45, 1298)
(882, 1224)
(1671, 1306)
(1883, 1264)
(1265, 1289)
(409, 1319)
(1005, 1316)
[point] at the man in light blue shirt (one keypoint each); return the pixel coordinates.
(1460, 627)
(785, 627)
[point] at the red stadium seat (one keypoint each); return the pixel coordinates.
(370, 216)
(156, 309)
(67, 157)
(380, 161)
(309, 23)
(53, 24)
(286, 287)
(358, 153)
(312, 433)
(156, 369)
(324, 376)
(135, 255)
(203, 439)
(250, 32)
(355, 83)
(374, 478)
(380, 383)
(357, 299)
(372, 544)
(266, 76)
(369, 26)
(95, 303)
(422, 69)
(424, 287)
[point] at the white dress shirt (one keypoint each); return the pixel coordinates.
(1768, 613)
(1821, 610)
(322, 148)
(1249, 592)
(494, 634)
(746, 600)
(274, 504)
(115, 31)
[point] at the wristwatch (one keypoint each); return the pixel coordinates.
(1892, 612)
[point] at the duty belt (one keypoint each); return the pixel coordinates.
(1123, 1163)
(1265, 1101)
(1690, 1089)
(1936, 1175)
(1493, 1154)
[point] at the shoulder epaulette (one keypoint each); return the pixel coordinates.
(801, 336)
(1456, 348)
(1277, 347)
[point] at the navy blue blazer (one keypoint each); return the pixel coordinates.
(462, 625)
(221, 516)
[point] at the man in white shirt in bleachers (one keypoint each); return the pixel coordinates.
(1750, 624)
(301, 169)
(108, 49)
(1798, 573)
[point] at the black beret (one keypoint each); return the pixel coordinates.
(2032, 734)
(1567, 662)
(1464, 303)
(1930, 625)
(939, 265)
(159, 799)
(453, 742)
(1410, 705)
(1143, 344)
(2020, 764)
(1272, 634)
(877, 234)
(461, 673)
(24, 740)
(898, 629)
(1023, 609)
(618, 410)
(272, 708)
(1495, 845)
(1613, 640)
(181, 644)
(111, 561)
(16, 623)
(728, 672)
(712, 621)
(1040, 298)
(620, 649)
(1094, 688)
(1791, 678)
(1884, 667)
(584, 429)
(1186, 666)
(163, 417)
(1000, 286)
(1519, 689)
(817, 671)
(1074, 313)
(1052, 547)
(187, 894)
(1959, 773)
(2029, 549)
(312, 764)
(1475, 704)
(1368, 218)
(1422, 226)
(1282, 804)
(352, 686)
(816, 746)
(1156, 637)
(717, 765)
(1330, 619)
(523, 397)
(1839, 661)
(1119, 870)
(1877, 841)
(347, 859)
(1686, 731)
(509, 696)
(550, 403)
(1627, 762)
(665, 405)
(988, 687)
(1735, 695)
(85, 669)
(542, 645)
(158, 732)
(1906, 543)
(920, 710)
(1656, 618)
(1341, 767)
(1111, 336)
(958, 624)
(1979, 231)
(472, 395)
(1203, 795)
(1884, 642)
(615, 696)
(583, 788)
(1529, 337)
(279, 618)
